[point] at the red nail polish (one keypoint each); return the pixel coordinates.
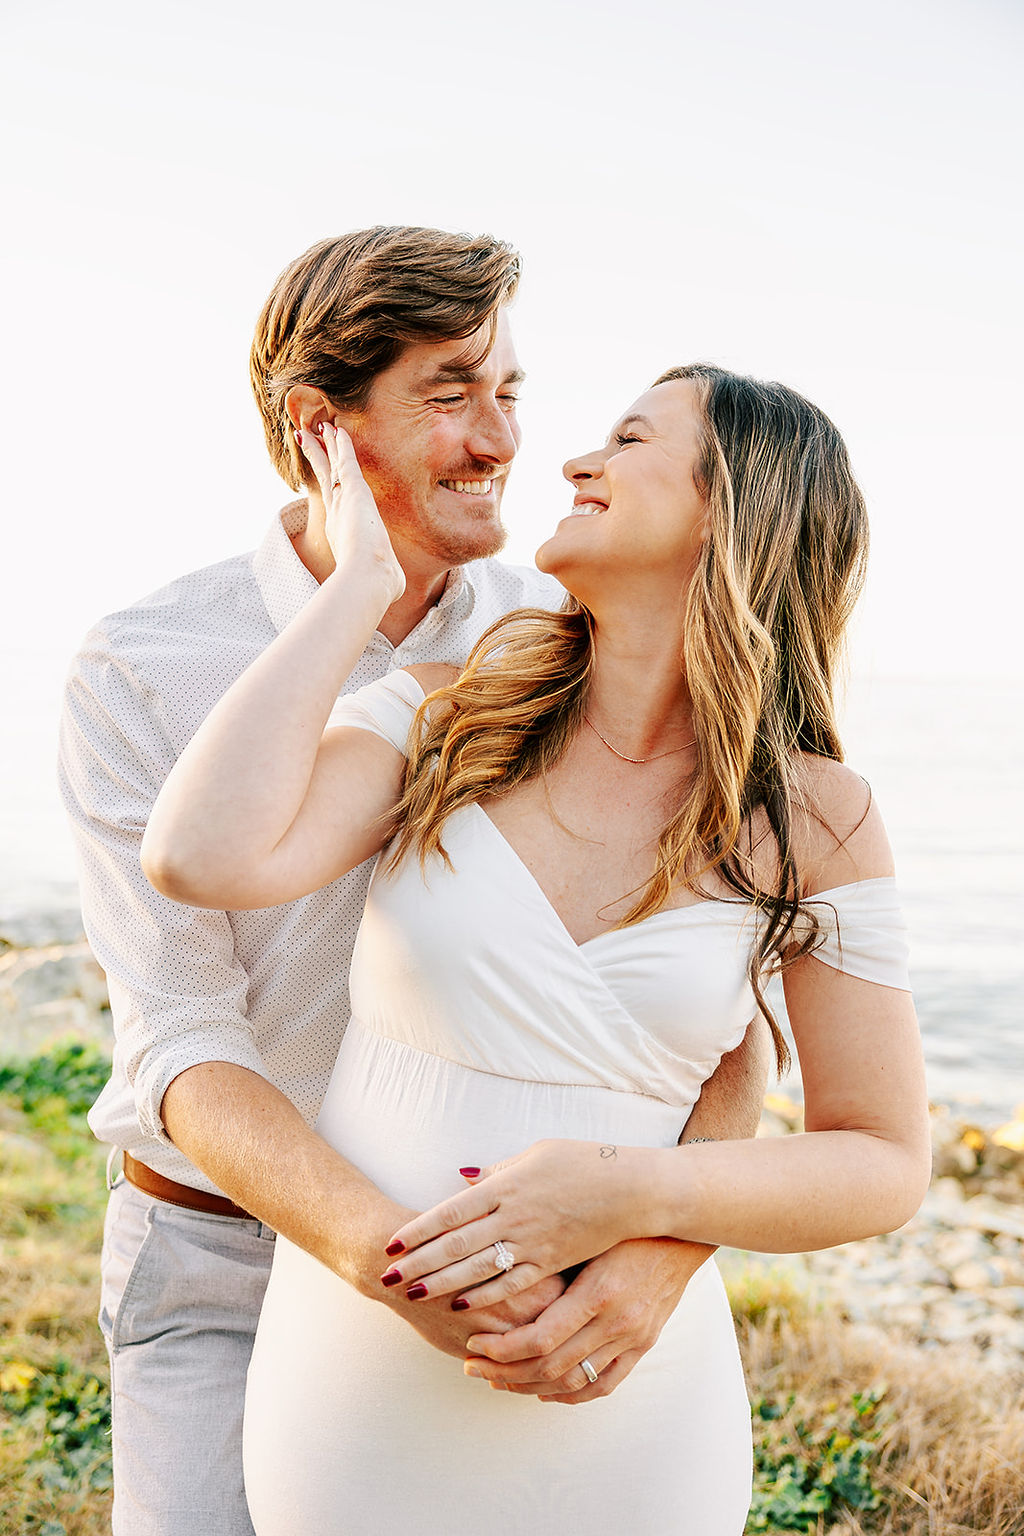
(460, 1304)
(416, 1292)
(470, 1173)
(394, 1248)
(391, 1278)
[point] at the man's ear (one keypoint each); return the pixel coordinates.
(308, 407)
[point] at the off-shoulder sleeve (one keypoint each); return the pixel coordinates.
(386, 707)
(865, 932)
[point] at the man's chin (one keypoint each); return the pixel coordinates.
(459, 547)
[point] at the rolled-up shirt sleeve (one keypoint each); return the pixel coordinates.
(178, 994)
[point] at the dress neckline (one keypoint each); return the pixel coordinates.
(663, 912)
(734, 905)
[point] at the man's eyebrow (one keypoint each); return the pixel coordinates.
(456, 373)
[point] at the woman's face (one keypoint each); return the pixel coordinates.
(638, 518)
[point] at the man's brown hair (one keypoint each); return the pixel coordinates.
(343, 311)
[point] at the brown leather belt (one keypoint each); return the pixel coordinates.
(178, 1194)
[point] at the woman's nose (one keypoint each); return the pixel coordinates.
(586, 467)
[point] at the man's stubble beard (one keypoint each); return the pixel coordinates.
(460, 546)
(472, 538)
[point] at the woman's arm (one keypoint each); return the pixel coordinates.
(861, 1167)
(261, 807)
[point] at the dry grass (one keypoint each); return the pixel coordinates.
(950, 1440)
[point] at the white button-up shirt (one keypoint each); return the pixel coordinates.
(267, 990)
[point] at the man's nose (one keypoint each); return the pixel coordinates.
(493, 434)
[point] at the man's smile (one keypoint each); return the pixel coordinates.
(468, 487)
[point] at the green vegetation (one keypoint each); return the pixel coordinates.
(804, 1472)
(68, 1412)
(54, 1397)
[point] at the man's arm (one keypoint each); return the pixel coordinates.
(615, 1309)
(179, 999)
(252, 1142)
(729, 1107)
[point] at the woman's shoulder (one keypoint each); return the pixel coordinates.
(839, 836)
(431, 675)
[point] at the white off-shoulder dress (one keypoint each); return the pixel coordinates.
(479, 1026)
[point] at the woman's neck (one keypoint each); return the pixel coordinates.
(638, 698)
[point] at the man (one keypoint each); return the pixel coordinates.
(227, 1024)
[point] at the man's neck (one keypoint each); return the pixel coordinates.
(411, 608)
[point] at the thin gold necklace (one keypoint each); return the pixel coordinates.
(670, 753)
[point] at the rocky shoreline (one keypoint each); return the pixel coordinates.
(952, 1275)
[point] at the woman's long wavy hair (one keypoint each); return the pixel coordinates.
(782, 566)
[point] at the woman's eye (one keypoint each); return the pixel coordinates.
(622, 438)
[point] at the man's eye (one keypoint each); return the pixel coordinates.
(509, 399)
(446, 400)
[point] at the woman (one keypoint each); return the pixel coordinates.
(610, 830)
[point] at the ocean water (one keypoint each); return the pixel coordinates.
(946, 763)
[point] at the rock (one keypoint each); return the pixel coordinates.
(35, 930)
(31, 977)
(947, 1190)
(1011, 1135)
(1009, 1298)
(955, 1248)
(991, 1218)
(36, 1029)
(49, 993)
(975, 1276)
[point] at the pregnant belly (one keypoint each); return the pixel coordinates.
(410, 1120)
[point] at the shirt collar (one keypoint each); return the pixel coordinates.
(286, 586)
(284, 582)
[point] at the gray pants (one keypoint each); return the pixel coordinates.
(180, 1298)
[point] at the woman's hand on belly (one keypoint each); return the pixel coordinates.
(435, 1321)
(552, 1207)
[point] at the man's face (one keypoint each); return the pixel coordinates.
(434, 424)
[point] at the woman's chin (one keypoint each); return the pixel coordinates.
(546, 559)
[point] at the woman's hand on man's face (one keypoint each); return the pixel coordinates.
(355, 530)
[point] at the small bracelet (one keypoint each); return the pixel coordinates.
(695, 1139)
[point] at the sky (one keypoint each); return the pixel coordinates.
(823, 193)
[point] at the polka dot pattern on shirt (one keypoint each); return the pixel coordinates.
(266, 990)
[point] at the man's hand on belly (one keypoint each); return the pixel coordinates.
(449, 1331)
(611, 1315)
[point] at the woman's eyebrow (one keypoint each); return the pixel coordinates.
(635, 420)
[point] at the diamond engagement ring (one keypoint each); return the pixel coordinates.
(588, 1371)
(503, 1258)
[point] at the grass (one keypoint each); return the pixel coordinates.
(859, 1433)
(54, 1399)
(855, 1433)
